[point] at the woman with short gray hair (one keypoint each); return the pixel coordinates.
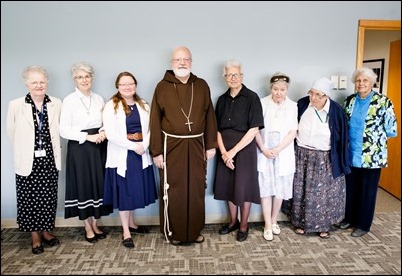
(81, 124)
(371, 120)
(32, 126)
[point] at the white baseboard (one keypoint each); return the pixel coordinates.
(115, 221)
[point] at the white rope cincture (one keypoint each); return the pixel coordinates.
(166, 226)
(165, 193)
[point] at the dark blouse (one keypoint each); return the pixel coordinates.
(241, 112)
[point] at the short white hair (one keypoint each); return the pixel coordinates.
(367, 72)
(231, 64)
(34, 68)
(84, 66)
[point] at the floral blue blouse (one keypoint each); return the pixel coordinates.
(370, 125)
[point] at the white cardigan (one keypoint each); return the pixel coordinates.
(21, 131)
(115, 127)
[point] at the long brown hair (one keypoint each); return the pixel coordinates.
(118, 98)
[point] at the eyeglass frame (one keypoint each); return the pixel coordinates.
(312, 94)
(37, 83)
(181, 60)
(235, 75)
(80, 78)
(126, 84)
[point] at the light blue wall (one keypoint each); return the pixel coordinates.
(306, 40)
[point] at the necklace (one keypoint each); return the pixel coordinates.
(89, 107)
(191, 106)
(279, 108)
(319, 117)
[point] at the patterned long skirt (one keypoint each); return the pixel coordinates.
(318, 198)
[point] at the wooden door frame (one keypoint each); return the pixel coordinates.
(377, 25)
(365, 24)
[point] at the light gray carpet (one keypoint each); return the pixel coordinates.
(378, 252)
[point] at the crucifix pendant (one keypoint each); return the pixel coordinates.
(188, 124)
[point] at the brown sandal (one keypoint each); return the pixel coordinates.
(175, 242)
(200, 239)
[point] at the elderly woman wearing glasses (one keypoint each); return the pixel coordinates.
(319, 188)
(276, 156)
(239, 115)
(81, 124)
(32, 126)
(372, 121)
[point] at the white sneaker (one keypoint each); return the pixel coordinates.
(268, 234)
(275, 229)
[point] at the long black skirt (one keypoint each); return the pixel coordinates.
(85, 179)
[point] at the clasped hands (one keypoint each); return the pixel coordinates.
(96, 138)
(271, 153)
(139, 148)
(227, 158)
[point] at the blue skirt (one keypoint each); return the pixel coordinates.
(136, 190)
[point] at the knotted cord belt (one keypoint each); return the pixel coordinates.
(166, 227)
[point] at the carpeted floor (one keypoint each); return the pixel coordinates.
(378, 252)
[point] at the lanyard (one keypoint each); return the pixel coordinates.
(318, 115)
(39, 119)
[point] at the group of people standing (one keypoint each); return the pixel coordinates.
(324, 158)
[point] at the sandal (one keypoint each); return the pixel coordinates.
(268, 234)
(175, 242)
(179, 243)
(324, 235)
(299, 231)
(275, 229)
(200, 239)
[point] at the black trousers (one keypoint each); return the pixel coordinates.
(361, 195)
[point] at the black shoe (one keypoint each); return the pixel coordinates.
(242, 236)
(38, 249)
(52, 242)
(129, 243)
(345, 225)
(226, 229)
(357, 233)
(333, 228)
(101, 236)
(94, 239)
(139, 230)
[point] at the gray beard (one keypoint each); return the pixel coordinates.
(181, 73)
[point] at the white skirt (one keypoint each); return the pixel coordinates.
(271, 183)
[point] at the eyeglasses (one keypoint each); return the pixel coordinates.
(235, 75)
(279, 78)
(126, 84)
(36, 83)
(318, 96)
(181, 60)
(87, 77)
